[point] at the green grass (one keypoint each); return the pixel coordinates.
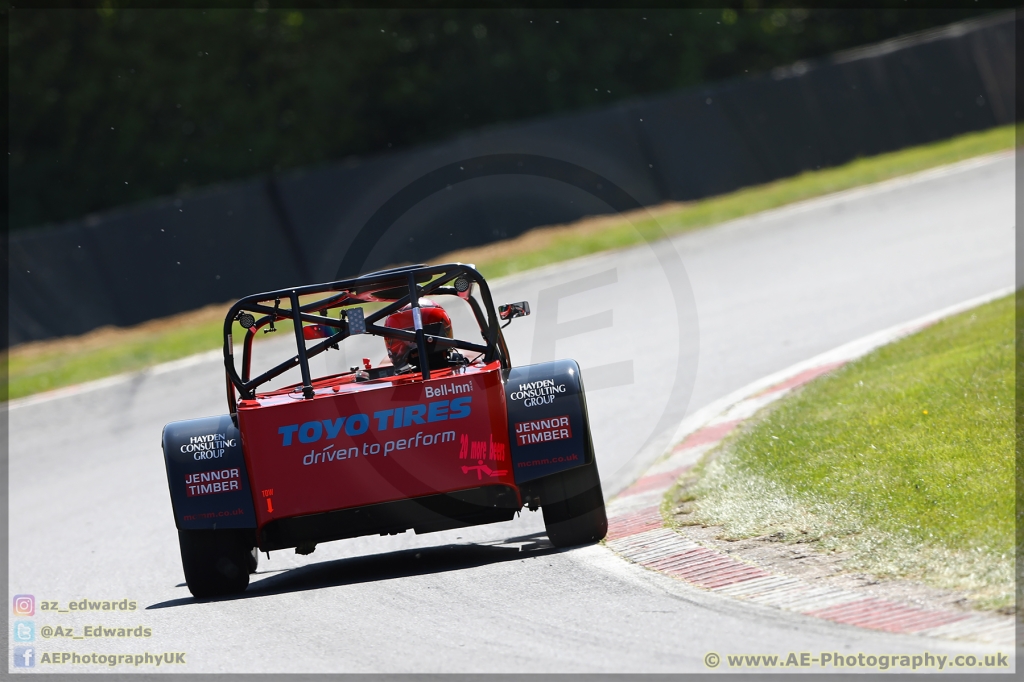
(55, 365)
(43, 366)
(904, 459)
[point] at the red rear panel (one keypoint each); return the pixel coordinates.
(356, 444)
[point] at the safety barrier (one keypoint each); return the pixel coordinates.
(129, 265)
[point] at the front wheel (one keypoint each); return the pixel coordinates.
(216, 562)
(577, 516)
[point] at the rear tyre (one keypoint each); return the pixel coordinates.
(577, 516)
(216, 562)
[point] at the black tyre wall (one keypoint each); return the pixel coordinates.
(216, 562)
(576, 514)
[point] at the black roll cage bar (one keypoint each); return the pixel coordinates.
(397, 286)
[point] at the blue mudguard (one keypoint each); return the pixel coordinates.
(206, 474)
(547, 419)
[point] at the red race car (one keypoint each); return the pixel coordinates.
(447, 434)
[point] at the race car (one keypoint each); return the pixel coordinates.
(442, 433)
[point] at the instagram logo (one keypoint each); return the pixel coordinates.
(24, 605)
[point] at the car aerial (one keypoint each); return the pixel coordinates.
(444, 433)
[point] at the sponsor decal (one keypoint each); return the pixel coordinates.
(203, 516)
(543, 430)
(448, 389)
(210, 446)
(358, 424)
(481, 451)
(211, 482)
(549, 460)
(330, 454)
(537, 393)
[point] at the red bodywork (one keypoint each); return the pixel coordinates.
(361, 443)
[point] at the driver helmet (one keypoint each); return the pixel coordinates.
(435, 322)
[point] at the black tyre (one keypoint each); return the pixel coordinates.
(216, 562)
(576, 516)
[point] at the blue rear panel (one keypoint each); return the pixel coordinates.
(206, 474)
(547, 419)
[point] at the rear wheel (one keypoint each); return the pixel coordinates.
(577, 517)
(216, 562)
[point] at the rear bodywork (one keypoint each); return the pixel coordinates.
(206, 474)
(368, 451)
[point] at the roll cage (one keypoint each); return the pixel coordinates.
(396, 287)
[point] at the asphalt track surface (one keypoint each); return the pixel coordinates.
(90, 514)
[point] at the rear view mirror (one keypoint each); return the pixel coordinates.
(511, 311)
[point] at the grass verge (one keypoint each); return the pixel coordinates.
(42, 366)
(903, 460)
(46, 365)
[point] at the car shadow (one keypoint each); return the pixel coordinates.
(377, 567)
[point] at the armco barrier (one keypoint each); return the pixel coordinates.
(172, 255)
(137, 264)
(333, 202)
